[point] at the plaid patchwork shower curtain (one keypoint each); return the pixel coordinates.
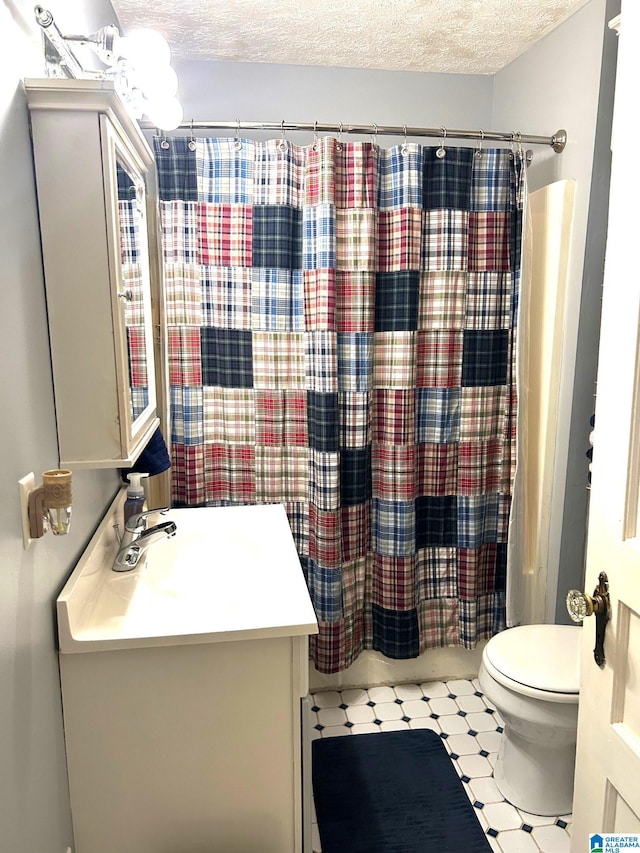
(342, 338)
(129, 225)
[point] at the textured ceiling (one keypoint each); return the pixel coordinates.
(454, 36)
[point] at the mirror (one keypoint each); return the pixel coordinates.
(133, 292)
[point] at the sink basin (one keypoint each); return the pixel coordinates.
(228, 573)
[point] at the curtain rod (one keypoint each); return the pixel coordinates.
(557, 141)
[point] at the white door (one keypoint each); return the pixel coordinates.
(607, 792)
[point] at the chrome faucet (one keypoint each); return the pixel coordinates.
(138, 537)
(137, 524)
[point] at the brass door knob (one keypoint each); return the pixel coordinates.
(580, 605)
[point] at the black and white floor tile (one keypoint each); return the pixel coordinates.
(471, 730)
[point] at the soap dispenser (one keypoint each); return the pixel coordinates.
(135, 501)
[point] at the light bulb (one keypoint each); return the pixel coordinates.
(165, 114)
(145, 48)
(156, 84)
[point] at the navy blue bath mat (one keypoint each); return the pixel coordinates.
(392, 792)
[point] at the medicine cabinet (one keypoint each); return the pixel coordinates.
(92, 164)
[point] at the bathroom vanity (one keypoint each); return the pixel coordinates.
(182, 684)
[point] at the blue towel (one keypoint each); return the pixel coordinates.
(154, 459)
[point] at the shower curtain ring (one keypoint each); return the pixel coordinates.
(192, 142)
(442, 152)
(404, 149)
(479, 148)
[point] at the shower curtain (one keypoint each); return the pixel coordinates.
(342, 337)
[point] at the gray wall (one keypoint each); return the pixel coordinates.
(256, 91)
(529, 97)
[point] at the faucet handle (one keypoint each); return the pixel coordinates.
(137, 523)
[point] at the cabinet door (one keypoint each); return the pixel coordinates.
(131, 294)
(91, 162)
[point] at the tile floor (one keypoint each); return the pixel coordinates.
(470, 728)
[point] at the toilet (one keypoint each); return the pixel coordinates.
(531, 675)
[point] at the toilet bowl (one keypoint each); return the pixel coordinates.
(531, 676)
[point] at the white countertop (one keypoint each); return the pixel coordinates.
(229, 573)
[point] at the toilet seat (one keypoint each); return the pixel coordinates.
(540, 661)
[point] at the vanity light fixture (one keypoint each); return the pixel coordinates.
(138, 64)
(50, 504)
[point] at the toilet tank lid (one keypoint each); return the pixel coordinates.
(545, 657)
